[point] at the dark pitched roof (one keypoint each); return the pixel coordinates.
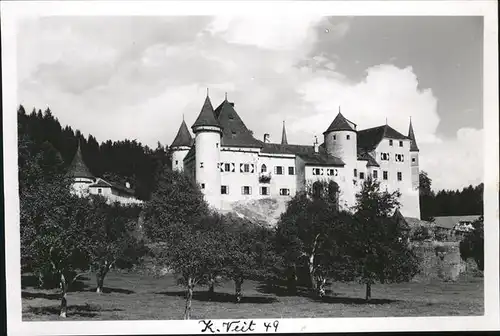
(234, 131)
(183, 137)
(77, 168)
(340, 123)
(449, 222)
(411, 136)
(102, 183)
(364, 156)
(306, 153)
(368, 139)
(284, 140)
(206, 116)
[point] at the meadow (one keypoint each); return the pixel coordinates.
(135, 296)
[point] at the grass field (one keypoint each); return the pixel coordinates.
(134, 297)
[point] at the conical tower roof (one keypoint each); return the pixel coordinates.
(284, 140)
(183, 137)
(77, 168)
(411, 135)
(340, 123)
(206, 116)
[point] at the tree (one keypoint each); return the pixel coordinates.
(306, 233)
(110, 231)
(179, 221)
(421, 233)
(472, 245)
(379, 249)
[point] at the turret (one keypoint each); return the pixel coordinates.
(414, 151)
(284, 140)
(341, 140)
(79, 173)
(180, 146)
(208, 135)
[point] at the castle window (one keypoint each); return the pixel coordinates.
(348, 137)
(384, 156)
(375, 174)
(413, 160)
(385, 175)
(246, 190)
(291, 170)
(176, 162)
(400, 176)
(278, 170)
(390, 142)
(317, 171)
(201, 164)
(203, 186)
(284, 192)
(355, 172)
(399, 157)
(217, 145)
(231, 117)
(263, 168)
(224, 190)
(332, 172)
(334, 137)
(233, 133)
(264, 191)
(227, 167)
(246, 168)
(361, 175)
(99, 191)
(400, 143)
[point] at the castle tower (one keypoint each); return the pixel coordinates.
(208, 135)
(79, 173)
(180, 146)
(414, 158)
(284, 140)
(341, 140)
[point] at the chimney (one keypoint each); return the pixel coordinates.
(316, 145)
(127, 185)
(266, 138)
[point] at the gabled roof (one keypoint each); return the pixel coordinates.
(364, 156)
(340, 123)
(284, 140)
(183, 137)
(449, 222)
(206, 116)
(411, 136)
(102, 183)
(234, 131)
(369, 139)
(306, 153)
(77, 168)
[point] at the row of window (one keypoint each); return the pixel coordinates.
(397, 157)
(385, 175)
(400, 143)
(329, 171)
(348, 137)
(247, 190)
(250, 168)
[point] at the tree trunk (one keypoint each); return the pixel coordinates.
(101, 274)
(64, 302)
(189, 298)
(320, 283)
(238, 282)
(211, 287)
(292, 279)
(368, 291)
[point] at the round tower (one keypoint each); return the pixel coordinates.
(80, 174)
(180, 147)
(208, 135)
(341, 140)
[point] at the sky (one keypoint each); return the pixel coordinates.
(137, 77)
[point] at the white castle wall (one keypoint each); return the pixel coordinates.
(207, 158)
(178, 155)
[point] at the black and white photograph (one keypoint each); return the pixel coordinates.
(236, 167)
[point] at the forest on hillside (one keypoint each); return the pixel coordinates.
(118, 161)
(129, 160)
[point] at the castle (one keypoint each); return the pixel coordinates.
(230, 165)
